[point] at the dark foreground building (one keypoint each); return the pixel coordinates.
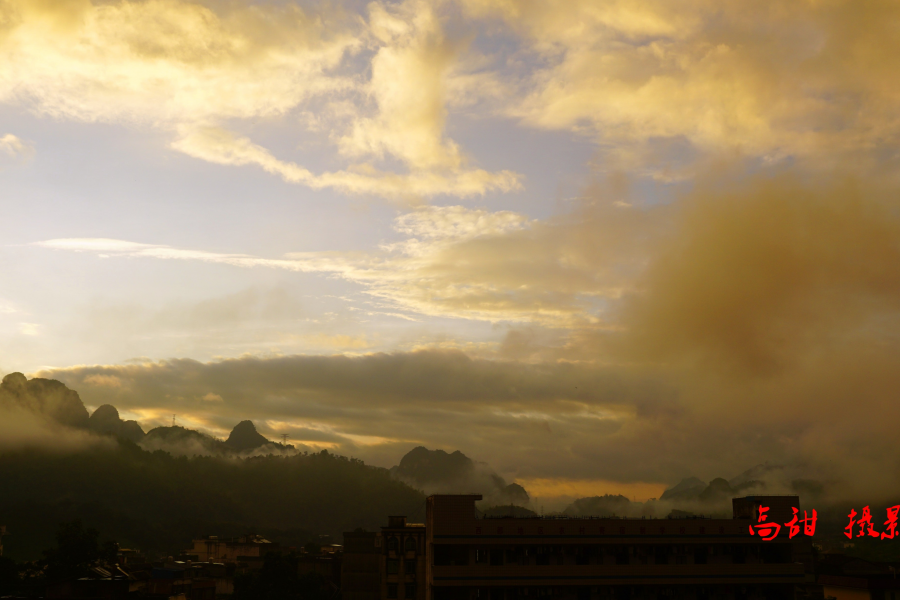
(472, 558)
(386, 565)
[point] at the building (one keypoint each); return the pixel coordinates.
(215, 549)
(327, 566)
(612, 559)
(181, 581)
(390, 564)
(849, 578)
(404, 556)
(361, 570)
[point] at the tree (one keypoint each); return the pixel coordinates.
(77, 550)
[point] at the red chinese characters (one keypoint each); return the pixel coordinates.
(865, 521)
(767, 531)
(891, 523)
(809, 524)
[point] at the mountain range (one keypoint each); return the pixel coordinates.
(157, 490)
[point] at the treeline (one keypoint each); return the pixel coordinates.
(158, 503)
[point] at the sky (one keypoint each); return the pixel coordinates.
(599, 245)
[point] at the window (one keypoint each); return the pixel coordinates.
(410, 545)
(392, 590)
(446, 555)
(393, 544)
(409, 567)
(496, 557)
(409, 591)
(393, 567)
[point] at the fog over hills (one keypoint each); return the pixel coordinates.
(157, 490)
(439, 472)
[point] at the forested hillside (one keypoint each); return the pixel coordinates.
(157, 502)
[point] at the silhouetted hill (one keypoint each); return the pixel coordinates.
(157, 502)
(245, 437)
(180, 441)
(47, 397)
(106, 421)
(423, 468)
(440, 472)
(688, 488)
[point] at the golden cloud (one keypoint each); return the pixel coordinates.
(187, 67)
(770, 80)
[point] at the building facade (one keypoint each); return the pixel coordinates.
(473, 558)
(385, 565)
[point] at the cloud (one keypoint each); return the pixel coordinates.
(408, 84)
(375, 400)
(188, 68)
(219, 146)
(764, 274)
(30, 328)
(20, 428)
(754, 319)
(652, 81)
(460, 262)
(166, 61)
(110, 381)
(14, 150)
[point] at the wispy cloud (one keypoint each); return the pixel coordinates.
(453, 262)
(14, 150)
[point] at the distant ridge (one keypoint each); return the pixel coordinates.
(244, 436)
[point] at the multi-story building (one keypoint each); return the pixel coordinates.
(851, 578)
(386, 565)
(361, 575)
(612, 559)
